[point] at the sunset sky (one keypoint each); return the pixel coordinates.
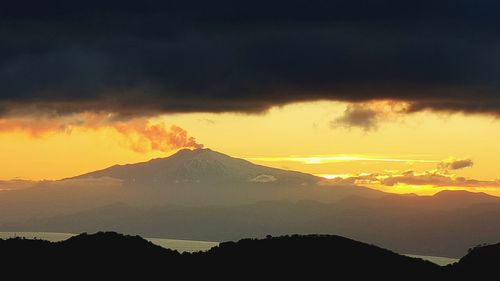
(400, 98)
(309, 137)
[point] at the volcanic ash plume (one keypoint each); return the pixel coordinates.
(143, 137)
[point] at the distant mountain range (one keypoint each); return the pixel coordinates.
(206, 195)
(310, 257)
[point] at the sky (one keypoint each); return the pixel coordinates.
(311, 137)
(401, 96)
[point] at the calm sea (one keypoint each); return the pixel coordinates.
(437, 260)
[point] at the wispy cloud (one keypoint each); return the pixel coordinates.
(323, 159)
(101, 182)
(455, 164)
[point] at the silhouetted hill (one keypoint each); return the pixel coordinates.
(315, 257)
(90, 256)
(287, 257)
(481, 260)
(308, 257)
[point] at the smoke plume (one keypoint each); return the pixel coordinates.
(139, 134)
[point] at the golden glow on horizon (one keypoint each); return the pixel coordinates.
(425, 183)
(431, 189)
(333, 176)
(317, 159)
(296, 137)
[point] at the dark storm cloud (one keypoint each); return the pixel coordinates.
(147, 57)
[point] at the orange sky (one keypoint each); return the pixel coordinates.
(308, 137)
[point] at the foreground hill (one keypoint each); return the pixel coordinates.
(311, 256)
(480, 261)
(287, 257)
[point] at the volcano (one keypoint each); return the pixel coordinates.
(204, 177)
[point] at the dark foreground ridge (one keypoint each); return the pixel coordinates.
(306, 256)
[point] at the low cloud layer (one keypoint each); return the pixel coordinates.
(102, 182)
(142, 59)
(428, 178)
(264, 178)
(439, 177)
(16, 184)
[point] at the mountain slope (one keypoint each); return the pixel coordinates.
(200, 166)
(206, 177)
(481, 260)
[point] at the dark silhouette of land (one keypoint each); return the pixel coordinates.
(286, 257)
(481, 260)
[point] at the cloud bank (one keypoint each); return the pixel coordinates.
(440, 177)
(427, 178)
(142, 59)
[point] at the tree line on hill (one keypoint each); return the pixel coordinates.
(113, 255)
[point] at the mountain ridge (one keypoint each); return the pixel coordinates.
(286, 256)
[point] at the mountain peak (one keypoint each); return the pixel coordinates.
(206, 176)
(193, 152)
(187, 155)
